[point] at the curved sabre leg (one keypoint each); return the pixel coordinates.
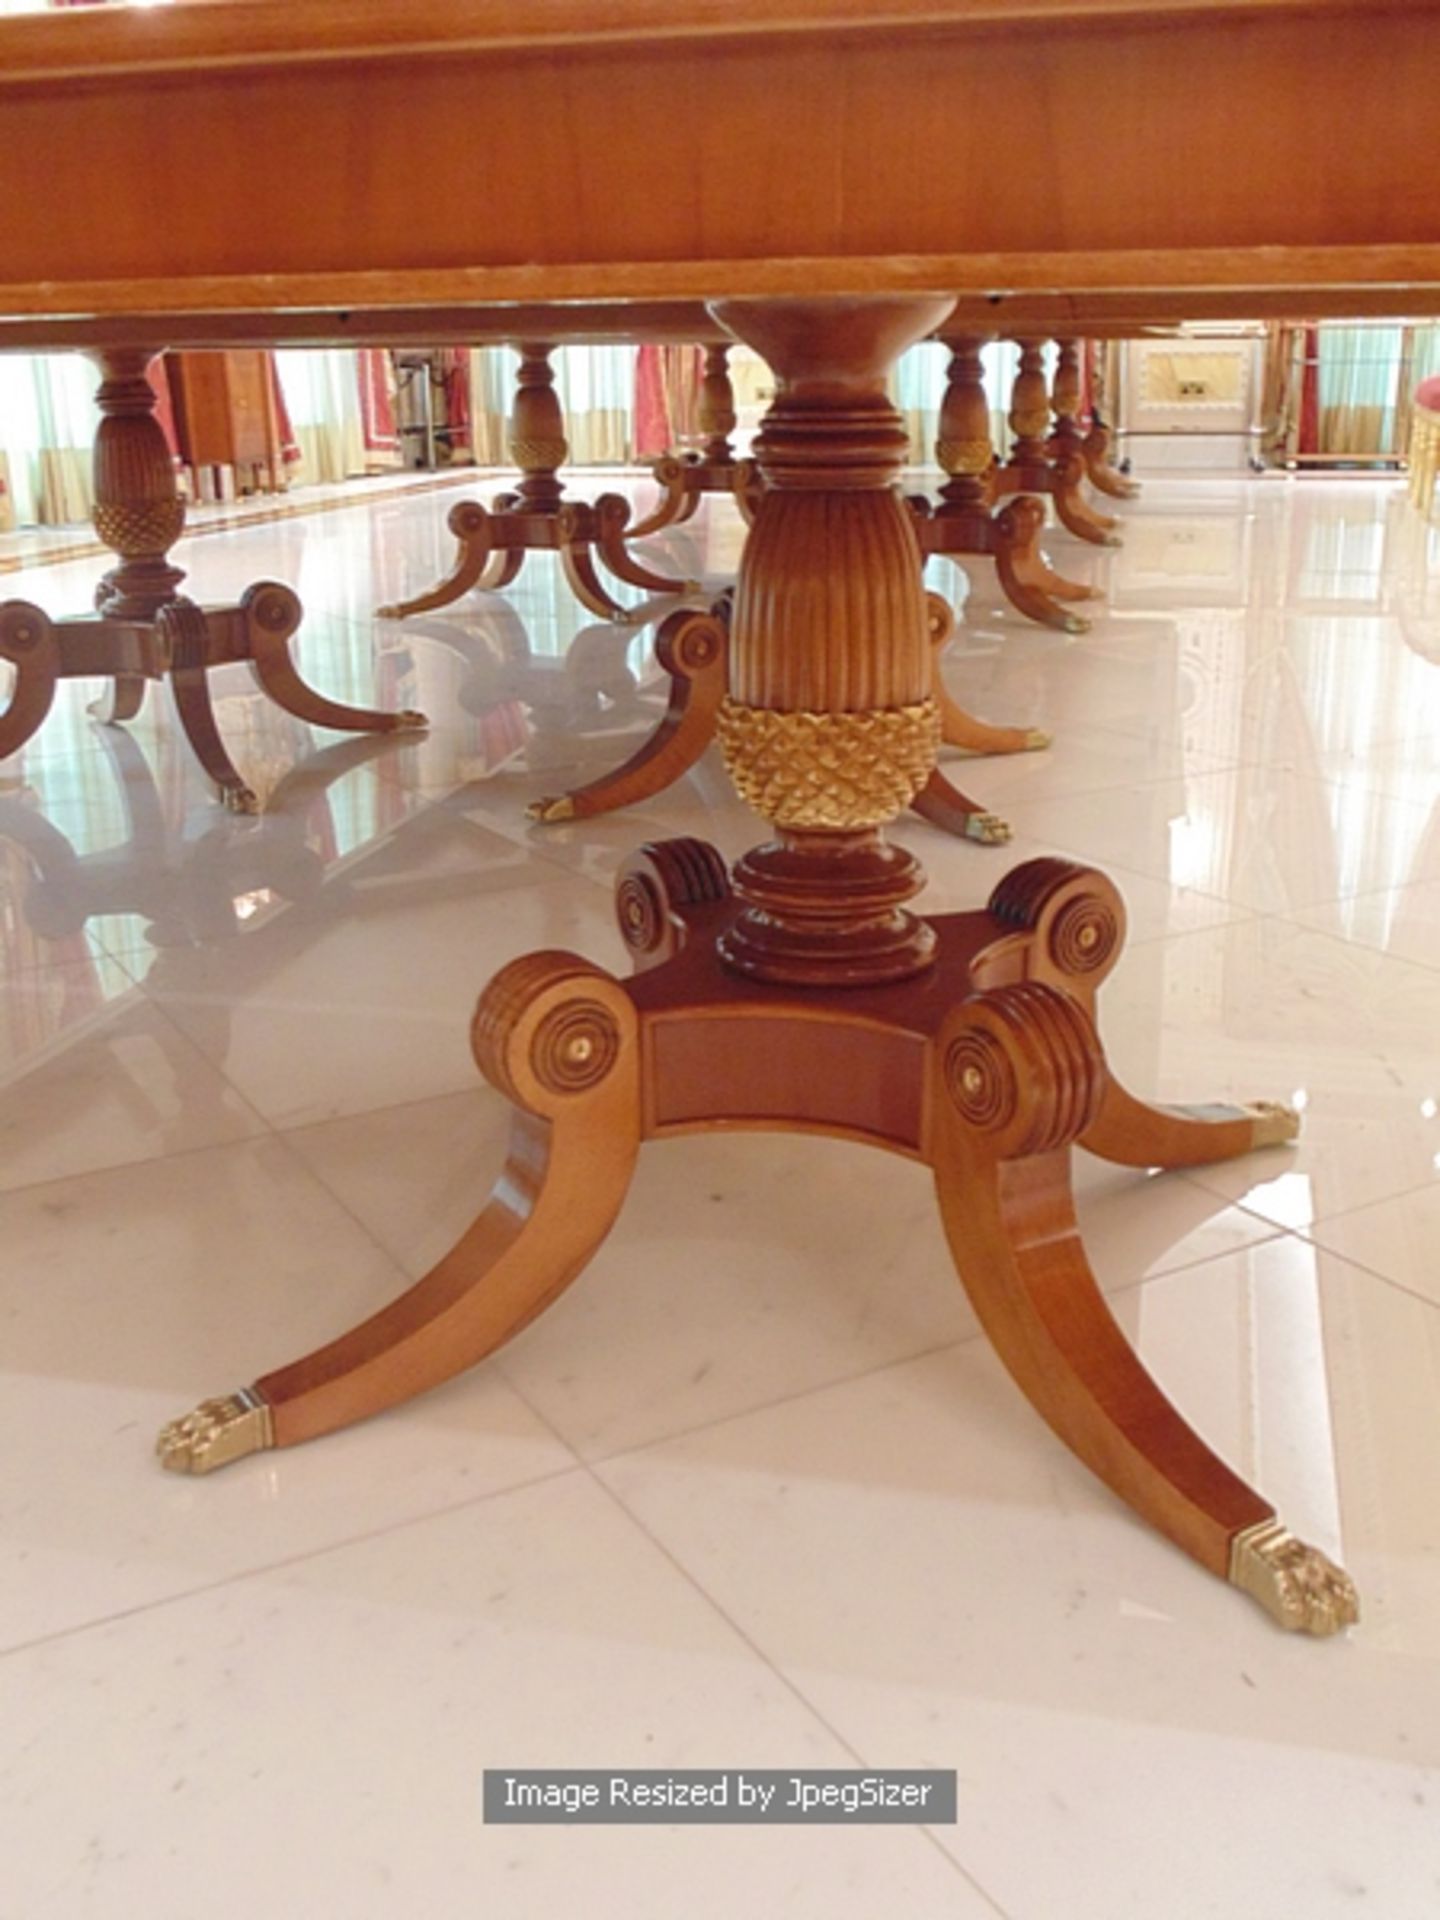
(584, 583)
(1002, 1172)
(691, 649)
(560, 1037)
(27, 641)
(1075, 513)
(272, 615)
(611, 518)
(957, 727)
(944, 806)
(122, 700)
(473, 527)
(1017, 530)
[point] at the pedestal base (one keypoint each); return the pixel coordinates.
(986, 1066)
(494, 541)
(180, 643)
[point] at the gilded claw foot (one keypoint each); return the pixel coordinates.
(1296, 1584)
(1275, 1123)
(239, 800)
(988, 828)
(547, 812)
(410, 720)
(215, 1433)
(1036, 739)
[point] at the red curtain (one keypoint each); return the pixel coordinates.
(377, 411)
(653, 433)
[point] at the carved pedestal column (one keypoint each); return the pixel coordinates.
(138, 511)
(1066, 439)
(830, 727)
(1039, 466)
(684, 478)
(537, 429)
(718, 418)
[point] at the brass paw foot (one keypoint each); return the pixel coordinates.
(1296, 1584)
(1073, 623)
(240, 800)
(409, 720)
(390, 613)
(547, 812)
(1275, 1123)
(1036, 740)
(215, 1433)
(988, 828)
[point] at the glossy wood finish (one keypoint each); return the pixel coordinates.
(990, 1077)
(919, 184)
(967, 1042)
(538, 518)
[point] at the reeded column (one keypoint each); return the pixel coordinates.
(830, 728)
(1066, 437)
(1029, 406)
(138, 511)
(716, 408)
(963, 447)
(537, 428)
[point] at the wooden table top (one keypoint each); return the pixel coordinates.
(359, 169)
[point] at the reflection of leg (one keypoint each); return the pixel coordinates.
(559, 1037)
(584, 582)
(27, 641)
(944, 806)
(271, 613)
(611, 516)
(121, 700)
(1017, 529)
(957, 727)
(1022, 1073)
(1075, 513)
(473, 528)
(691, 649)
(186, 637)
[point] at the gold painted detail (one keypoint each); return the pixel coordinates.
(837, 770)
(547, 812)
(1276, 1125)
(217, 1432)
(1031, 426)
(151, 527)
(964, 456)
(538, 456)
(1297, 1585)
(575, 1047)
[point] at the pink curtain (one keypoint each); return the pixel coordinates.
(653, 433)
(377, 411)
(1308, 434)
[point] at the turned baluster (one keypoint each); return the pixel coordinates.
(1029, 406)
(1066, 437)
(537, 429)
(716, 408)
(830, 727)
(138, 511)
(963, 447)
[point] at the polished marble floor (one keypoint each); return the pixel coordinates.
(754, 1493)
